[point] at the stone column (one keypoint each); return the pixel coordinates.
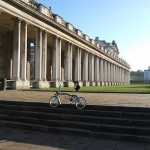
(78, 65)
(85, 69)
(120, 75)
(56, 68)
(112, 73)
(91, 70)
(68, 66)
(71, 59)
(123, 76)
(16, 54)
(97, 76)
(105, 72)
(25, 82)
(120, 70)
(128, 77)
(101, 72)
(11, 68)
(117, 75)
(38, 57)
(44, 83)
(108, 73)
(41, 59)
(44, 56)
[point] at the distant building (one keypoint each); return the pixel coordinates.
(110, 48)
(147, 75)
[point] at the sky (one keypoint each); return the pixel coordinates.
(125, 21)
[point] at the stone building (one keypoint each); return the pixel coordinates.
(147, 75)
(60, 50)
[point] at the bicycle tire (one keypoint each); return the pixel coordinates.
(80, 102)
(54, 101)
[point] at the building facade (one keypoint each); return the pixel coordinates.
(147, 75)
(60, 50)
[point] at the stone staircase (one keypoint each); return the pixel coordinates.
(112, 122)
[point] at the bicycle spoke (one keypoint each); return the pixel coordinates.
(80, 102)
(54, 101)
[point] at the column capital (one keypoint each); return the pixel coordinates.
(25, 23)
(16, 19)
(1, 11)
(68, 42)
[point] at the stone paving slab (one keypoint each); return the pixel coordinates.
(32, 140)
(16, 139)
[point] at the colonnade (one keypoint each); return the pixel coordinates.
(80, 64)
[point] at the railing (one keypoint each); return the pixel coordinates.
(9, 84)
(63, 23)
(6, 84)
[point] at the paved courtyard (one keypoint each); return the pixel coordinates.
(16, 139)
(118, 99)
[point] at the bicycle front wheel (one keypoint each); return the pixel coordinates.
(54, 101)
(80, 102)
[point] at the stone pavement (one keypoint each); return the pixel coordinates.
(16, 139)
(116, 99)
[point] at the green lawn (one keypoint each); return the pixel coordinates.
(131, 88)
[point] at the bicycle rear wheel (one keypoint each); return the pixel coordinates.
(54, 101)
(80, 102)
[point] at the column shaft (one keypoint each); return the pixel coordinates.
(78, 65)
(44, 56)
(68, 63)
(24, 51)
(91, 69)
(38, 52)
(101, 70)
(56, 59)
(97, 70)
(85, 67)
(105, 71)
(16, 49)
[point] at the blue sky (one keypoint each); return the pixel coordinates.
(125, 21)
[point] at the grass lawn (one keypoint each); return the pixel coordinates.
(131, 88)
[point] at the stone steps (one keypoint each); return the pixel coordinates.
(127, 123)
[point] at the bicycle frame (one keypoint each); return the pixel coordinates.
(80, 102)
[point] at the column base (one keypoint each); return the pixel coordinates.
(81, 84)
(19, 84)
(102, 83)
(92, 83)
(106, 83)
(56, 84)
(69, 84)
(109, 83)
(86, 83)
(42, 84)
(98, 83)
